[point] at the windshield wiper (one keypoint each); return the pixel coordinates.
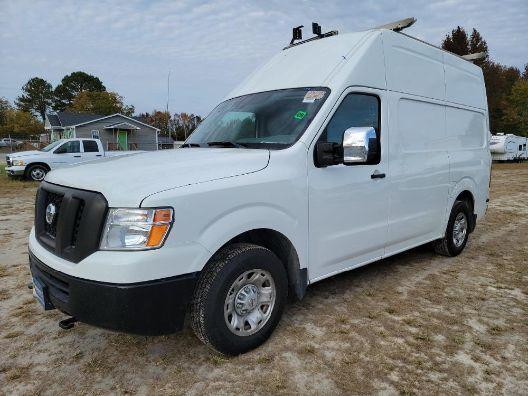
(189, 145)
(226, 143)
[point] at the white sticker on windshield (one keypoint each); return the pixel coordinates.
(312, 96)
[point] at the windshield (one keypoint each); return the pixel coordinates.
(52, 145)
(273, 119)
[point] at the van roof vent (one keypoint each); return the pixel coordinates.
(398, 25)
(316, 29)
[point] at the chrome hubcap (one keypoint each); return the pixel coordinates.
(460, 229)
(38, 174)
(249, 302)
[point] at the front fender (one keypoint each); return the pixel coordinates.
(228, 225)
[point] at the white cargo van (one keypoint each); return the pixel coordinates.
(336, 153)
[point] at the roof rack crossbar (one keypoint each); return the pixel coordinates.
(318, 37)
(474, 56)
(398, 25)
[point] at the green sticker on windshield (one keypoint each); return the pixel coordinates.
(299, 115)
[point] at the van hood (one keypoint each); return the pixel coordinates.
(22, 154)
(126, 181)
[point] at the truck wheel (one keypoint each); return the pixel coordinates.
(36, 172)
(239, 298)
(457, 231)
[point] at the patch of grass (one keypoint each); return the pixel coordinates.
(308, 348)
(481, 343)
(13, 334)
(342, 319)
(264, 359)
(391, 310)
(95, 364)
(4, 295)
(495, 330)
(372, 315)
(279, 382)
(425, 337)
(218, 360)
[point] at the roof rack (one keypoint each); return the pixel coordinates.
(475, 56)
(398, 25)
(316, 29)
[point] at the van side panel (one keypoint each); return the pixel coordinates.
(464, 82)
(413, 67)
(419, 172)
(469, 155)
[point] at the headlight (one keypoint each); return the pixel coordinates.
(18, 163)
(136, 229)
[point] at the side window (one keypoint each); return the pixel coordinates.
(356, 110)
(520, 147)
(90, 146)
(72, 146)
(95, 134)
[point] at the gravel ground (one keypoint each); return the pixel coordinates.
(412, 324)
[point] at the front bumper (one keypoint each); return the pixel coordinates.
(15, 170)
(148, 308)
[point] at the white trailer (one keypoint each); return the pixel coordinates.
(508, 147)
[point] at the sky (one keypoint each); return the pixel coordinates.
(209, 47)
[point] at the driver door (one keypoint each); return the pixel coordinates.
(348, 207)
(66, 154)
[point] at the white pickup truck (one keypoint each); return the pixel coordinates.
(35, 164)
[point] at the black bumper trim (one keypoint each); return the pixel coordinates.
(146, 308)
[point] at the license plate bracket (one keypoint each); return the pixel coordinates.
(40, 292)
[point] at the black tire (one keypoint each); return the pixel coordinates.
(446, 246)
(216, 280)
(36, 172)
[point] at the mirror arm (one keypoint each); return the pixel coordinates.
(328, 154)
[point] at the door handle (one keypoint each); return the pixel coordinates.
(377, 175)
(98, 155)
(76, 156)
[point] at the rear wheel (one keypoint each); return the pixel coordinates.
(37, 172)
(457, 232)
(239, 298)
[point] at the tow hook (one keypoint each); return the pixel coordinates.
(68, 323)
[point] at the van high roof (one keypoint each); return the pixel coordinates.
(377, 58)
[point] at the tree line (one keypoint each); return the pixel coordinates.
(82, 93)
(506, 86)
(77, 92)
(178, 125)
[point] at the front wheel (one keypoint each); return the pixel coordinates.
(457, 231)
(239, 298)
(36, 172)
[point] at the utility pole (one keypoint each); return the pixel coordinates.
(168, 96)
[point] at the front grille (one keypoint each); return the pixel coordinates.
(76, 228)
(8, 161)
(77, 223)
(56, 200)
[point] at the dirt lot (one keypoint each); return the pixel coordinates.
(414, 323)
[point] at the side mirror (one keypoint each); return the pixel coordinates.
(360, 146)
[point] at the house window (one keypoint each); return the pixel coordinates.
(95, 134)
